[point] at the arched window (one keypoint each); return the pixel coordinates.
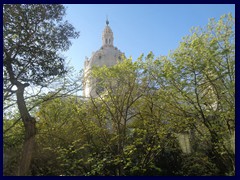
(106, 41)
(109, 41)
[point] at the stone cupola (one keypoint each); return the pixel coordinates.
(107, 36)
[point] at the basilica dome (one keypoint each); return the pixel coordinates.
(107, 55)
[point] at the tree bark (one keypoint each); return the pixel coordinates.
(30, 132)
(28, 148)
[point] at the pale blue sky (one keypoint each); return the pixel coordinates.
(137, 28)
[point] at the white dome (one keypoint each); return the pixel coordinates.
(107, 55)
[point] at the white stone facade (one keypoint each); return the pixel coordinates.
(107, 55)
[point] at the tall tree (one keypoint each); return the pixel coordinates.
(199, 87)
(117, 93)
(34, 35)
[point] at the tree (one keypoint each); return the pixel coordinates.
(114, 103)
(123, 108)
(197, 85)
(59, 128)
(33, 35)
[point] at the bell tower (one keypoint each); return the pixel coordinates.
(107, 36)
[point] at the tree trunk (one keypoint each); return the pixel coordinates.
(28, 120)
(28, 148)
(30, 132)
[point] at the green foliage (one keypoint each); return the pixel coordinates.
(34, 34)
(198, 165)
(13, 139)
(132, 127)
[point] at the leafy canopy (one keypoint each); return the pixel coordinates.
(34, 35)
